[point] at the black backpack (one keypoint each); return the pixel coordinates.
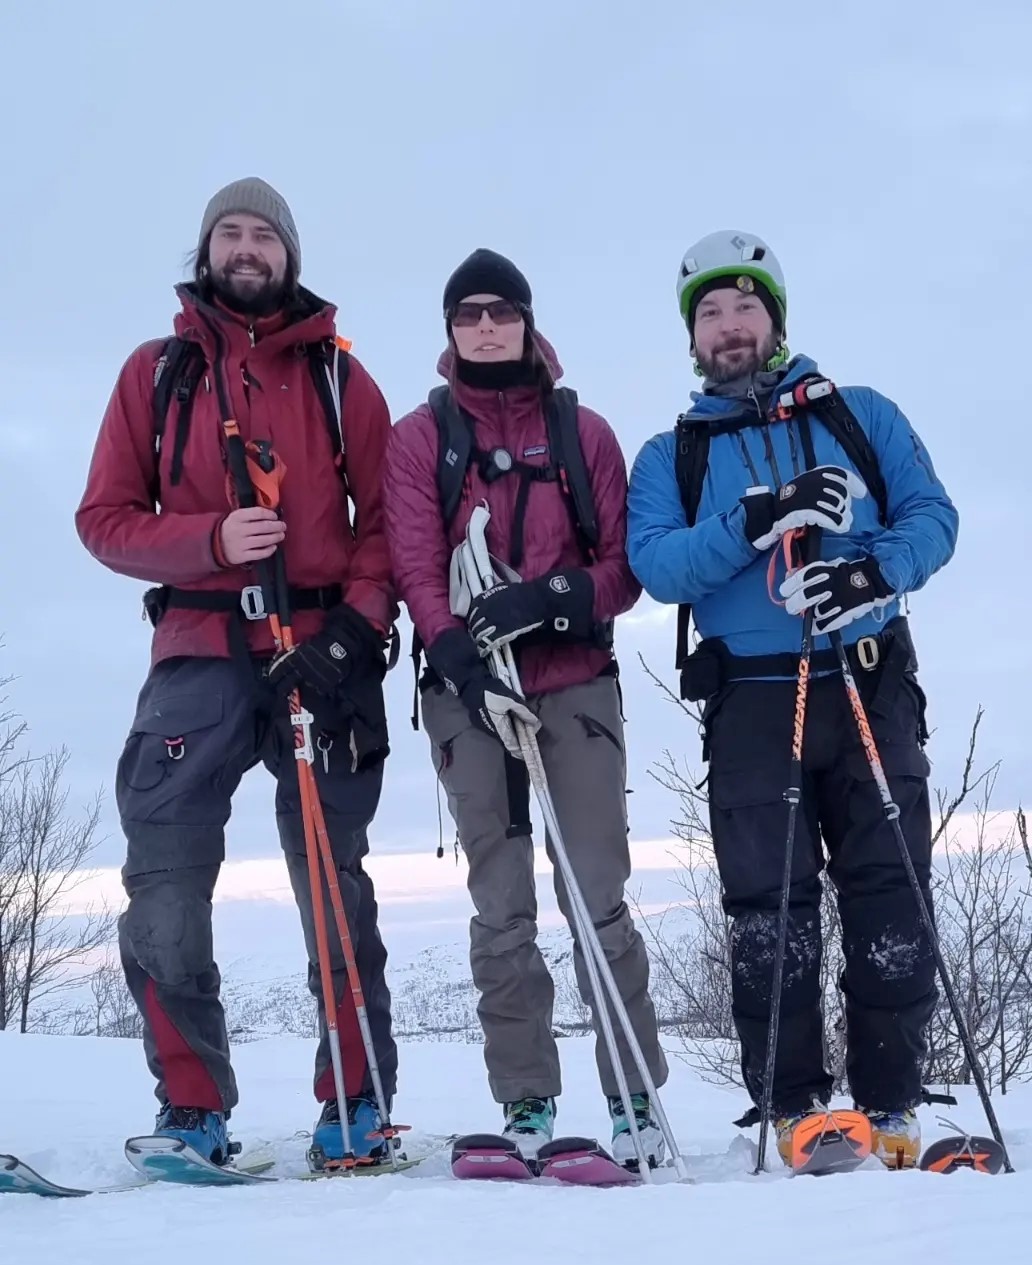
(814, 396)
(181, 365)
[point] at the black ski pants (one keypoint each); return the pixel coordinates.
(889, 977)
(200, 724)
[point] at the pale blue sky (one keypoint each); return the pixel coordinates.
(884, 155)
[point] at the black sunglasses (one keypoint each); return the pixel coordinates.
(501, 312)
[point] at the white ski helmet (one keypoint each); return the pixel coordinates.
(729, 253)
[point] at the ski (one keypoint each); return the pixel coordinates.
(19, 1178)
(962, 1150)
(830, 1142)
(488, 1157)
(573, 1160)
(170, 1159)
(583, 1162)
(167, 1159)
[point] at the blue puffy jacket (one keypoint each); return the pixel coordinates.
(713, 565)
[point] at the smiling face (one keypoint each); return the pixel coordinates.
(487, 328)
(248, 264)
(733, 334)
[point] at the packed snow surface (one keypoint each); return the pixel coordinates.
(67, 1104)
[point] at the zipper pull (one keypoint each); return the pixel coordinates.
(250, 334)
(756, 403)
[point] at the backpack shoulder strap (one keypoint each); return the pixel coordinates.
(567, 456)
(691, 457)
(454, 450)
(177, 371)
(329, 362)
(823, 398)
(841, 421)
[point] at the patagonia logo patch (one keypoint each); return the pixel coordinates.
(538, 451)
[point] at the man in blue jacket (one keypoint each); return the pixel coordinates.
(769, 448)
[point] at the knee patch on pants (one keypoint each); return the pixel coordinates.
(890, 967)
(754, 942)
(167, 929)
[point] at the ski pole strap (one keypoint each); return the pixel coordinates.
(517, 790)
(254, 472)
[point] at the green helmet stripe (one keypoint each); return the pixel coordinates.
(735, 270)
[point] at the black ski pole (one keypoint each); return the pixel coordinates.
(892, 814)
(793, 795)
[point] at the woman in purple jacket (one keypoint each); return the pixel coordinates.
(501, 374)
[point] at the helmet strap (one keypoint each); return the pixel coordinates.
(779, 358)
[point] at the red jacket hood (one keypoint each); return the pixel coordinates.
(310, 320)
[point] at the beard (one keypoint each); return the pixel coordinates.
(739, 356)
(259, 295)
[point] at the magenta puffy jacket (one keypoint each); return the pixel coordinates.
(421, 551)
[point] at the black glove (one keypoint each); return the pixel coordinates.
(362, 713)
(839, 591)
(492, 706)
(822, 497)
(347, 646)
(559, 604)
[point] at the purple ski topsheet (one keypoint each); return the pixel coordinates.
(582, 1162)
(485, 1156)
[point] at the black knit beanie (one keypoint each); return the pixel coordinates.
(486, 272)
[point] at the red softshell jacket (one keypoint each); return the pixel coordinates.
(273, 396)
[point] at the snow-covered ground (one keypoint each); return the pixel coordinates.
(67, 1103)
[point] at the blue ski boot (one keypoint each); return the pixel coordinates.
(327, 1138)
(651, 1135)
(530, 1122)
(205, 1131)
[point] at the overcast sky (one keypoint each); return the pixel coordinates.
(884, 155)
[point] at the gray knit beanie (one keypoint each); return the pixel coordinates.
(253, 196)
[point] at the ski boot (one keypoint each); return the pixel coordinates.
(530, 1122)
(783, 1127)
(897, 1137)
(205, 1131)
(327, 1149)
(649, 1131)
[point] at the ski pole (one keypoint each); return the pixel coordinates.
(318, 847)
(793, 794)
(263, 487)
(479, 575)
(892, 816)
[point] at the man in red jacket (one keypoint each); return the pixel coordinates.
(265, 356)
(502, 375)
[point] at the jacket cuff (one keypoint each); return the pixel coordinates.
(216, 546)
(872, 571)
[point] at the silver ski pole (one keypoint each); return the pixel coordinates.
(479, 575)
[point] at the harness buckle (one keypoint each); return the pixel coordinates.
(252, 602)
(868, 653)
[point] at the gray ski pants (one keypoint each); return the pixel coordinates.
(200, 724)
(583, 755)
